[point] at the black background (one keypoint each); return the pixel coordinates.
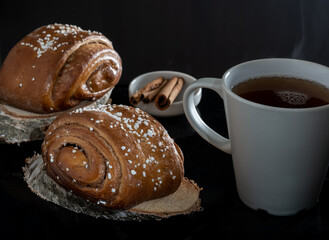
(200, 38)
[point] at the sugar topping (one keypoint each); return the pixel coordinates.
(142, 129)
(51, 38)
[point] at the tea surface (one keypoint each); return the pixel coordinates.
(284, 92)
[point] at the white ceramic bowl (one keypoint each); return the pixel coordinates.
(177, 107)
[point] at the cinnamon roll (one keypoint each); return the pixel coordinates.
(56, 67)
(114, 155)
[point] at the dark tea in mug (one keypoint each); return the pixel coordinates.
(284, 92)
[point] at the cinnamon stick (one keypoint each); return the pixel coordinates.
(150, 96)
(146, 90)
(168, 93)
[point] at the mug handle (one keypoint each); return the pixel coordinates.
(194, 118)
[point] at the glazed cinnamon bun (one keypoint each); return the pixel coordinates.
(115, 155)
(56, 67)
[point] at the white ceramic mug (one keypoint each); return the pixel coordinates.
(280, 155)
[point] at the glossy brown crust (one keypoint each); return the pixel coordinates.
(56, 67)
(115, 155)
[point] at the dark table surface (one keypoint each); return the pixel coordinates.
(23, 215)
